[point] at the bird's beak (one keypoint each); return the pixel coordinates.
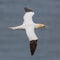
(45, 26)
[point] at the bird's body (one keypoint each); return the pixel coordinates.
(29, 26)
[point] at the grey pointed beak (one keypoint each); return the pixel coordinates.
(46, 26)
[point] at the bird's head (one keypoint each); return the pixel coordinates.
(41, 25)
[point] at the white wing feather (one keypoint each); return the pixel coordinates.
(31, 34)
(28, 17)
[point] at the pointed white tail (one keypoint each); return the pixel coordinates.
(13, 28)
(17, 27)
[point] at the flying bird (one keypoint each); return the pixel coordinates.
(29, 26)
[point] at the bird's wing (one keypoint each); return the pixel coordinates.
(32, 38)
(31, 34)
(28, 17)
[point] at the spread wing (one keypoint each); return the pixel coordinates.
(28, 17)
(31, 34)
(32, 38)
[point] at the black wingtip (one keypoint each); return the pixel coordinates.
(27, 9)
(33, 45)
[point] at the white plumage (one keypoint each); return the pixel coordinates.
(31, 34)
(28, 17)
(28, 25)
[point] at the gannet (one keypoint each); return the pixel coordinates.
(29, 26)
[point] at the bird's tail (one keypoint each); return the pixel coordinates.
(17, 27)
(13, 28)
(33, 45)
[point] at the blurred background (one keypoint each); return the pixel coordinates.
(14, 44)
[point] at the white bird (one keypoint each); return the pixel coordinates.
(29, 26)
